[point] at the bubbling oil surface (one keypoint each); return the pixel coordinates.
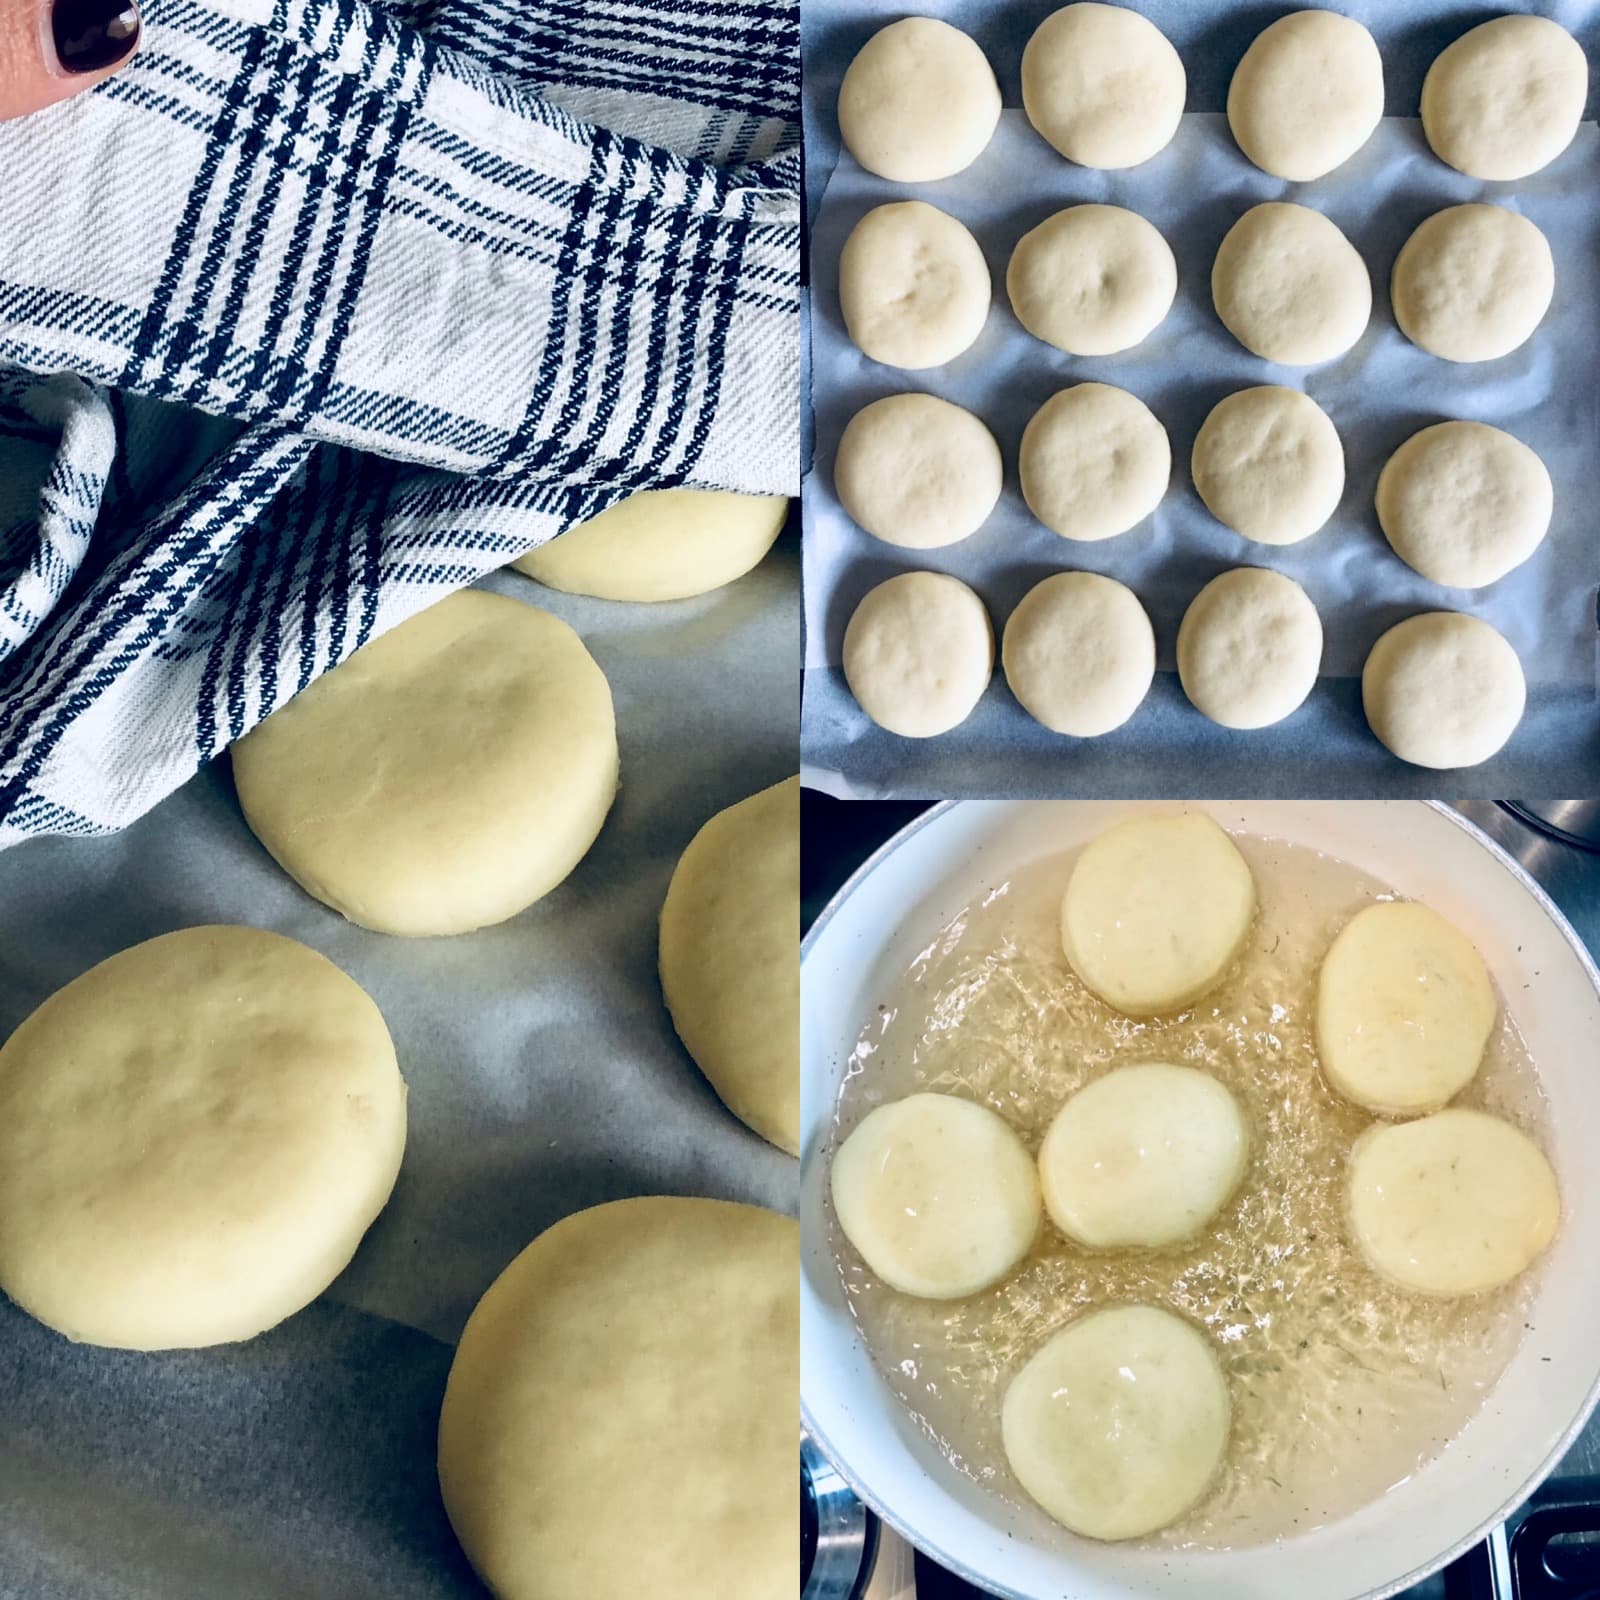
(1342, 1384)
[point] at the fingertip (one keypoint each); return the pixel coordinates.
(53, 49)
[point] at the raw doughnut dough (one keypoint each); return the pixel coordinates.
(919, 101)
(1144, 1156)
(1506, 98)
(1404, 1010)
(916, 471)
(918, 653)
(1249, 648)
(1453, 1204)
(1463, 503)
(1092, 280)
(1443, 690)
(1306, 95)
(660, 544)
(1156, 911)
(1472, 283)
(913, 286)
(938, 1195)
(194, 1136)
(1118, 1423)
(445, 776)
(1289, 286)
(1268, 464)
(1103, 85)
(730, 959)
(619, 1418)
(1094, 462)
(1079, 653)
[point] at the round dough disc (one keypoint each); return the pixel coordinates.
(1118, 1424)
(445, 776)
(1289, 286)
(1144, 1157)
(1453, 1204)
(913, 286)
(1472, 283)
(660, 544)
(939, 1196)
(1443, 690)
(916, 471)
(730, 959)
(1079, 653)
(919, 101)
(619, 1418)
(1094, 462)
(1156, 911)
(918, 653)
(194, 1136)
(1103, 85)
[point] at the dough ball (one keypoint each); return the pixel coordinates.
(445, 776)
(1306, 95)
(194, 1136)
(1506, 98)
(1118, 1424)
(1268, 464)
(1143, 1157)
(1290, 287)
(1103, 85)
(913, 286)
(730, 959)
(1079, 653)
(1092, 280)
(1094, 462)
(917, 471)
(918, 654)
(660, 544)
(1453, 1204)
(620, 1413)
(1249, 648)
(1472, 283)
(938, 1195)
(1156, 911)
(919, 101)
(1443, 690)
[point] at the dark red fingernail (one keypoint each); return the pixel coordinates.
(92, 34)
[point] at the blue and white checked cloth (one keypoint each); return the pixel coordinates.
(318, 311)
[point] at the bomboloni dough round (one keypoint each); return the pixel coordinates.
(1506, 98)
(918, 102)
(1143, 1157)
(1452, 1204)
(1092, 280)
(913, 286)
(1094, 462)
(1267, 462)
(1079, 653)
(1289, 286)
(1249, 648)
(1118, 1424)
(1103, 85)
(1156, 911)
(194, 1136)
(1443, 690)
(1472, 283)
(445, 776)
(939, 1196)
(619, 1417)
(730, 959)
(918, 653)
(917, 471)
(660, 544)
(1306, 95)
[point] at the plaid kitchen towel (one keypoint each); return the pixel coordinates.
(318, 311)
